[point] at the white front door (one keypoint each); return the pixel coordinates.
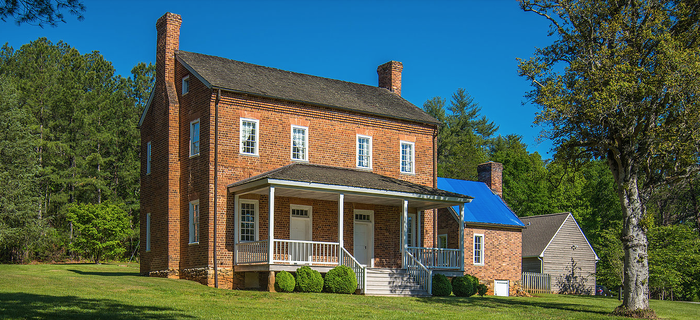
(363, 237)
(300, 229)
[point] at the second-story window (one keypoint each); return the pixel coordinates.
(249, 136)
(407, 157)
(364, 152)
(148, 157)
(194, 138)
(185, 85)
(300, 142)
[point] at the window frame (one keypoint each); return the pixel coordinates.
(148, 158)
(444, 235)
(256, 219)
(148, 232)
(412, 155)
(185, 84)
(192, 136)
(306, 143)
(194, 221)
(256, 147)
(480, 250)
(357, 151)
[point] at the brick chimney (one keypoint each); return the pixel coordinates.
(390, 76)
(491, 173)
(168, 28)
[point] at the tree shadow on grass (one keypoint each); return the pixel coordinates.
(510, 303)
(106, 274)
(37, 306)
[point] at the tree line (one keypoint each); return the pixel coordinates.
(586, 188)
(68, 137)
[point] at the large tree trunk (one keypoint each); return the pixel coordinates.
(634, 239)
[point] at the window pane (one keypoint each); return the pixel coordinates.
(248, 140)
(194, 138)
(247, 222)
(363, 152)
(299, 143)
(407, 157)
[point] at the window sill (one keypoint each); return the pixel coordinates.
(364, 168)
(193, 243)
(408, 173)
(300, 160)
(479, 264)
(194, 155)
(249, 154)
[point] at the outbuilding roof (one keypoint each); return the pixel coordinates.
(540, 231)
(242, 77)
(485, 208)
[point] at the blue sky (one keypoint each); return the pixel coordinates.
(443, 45)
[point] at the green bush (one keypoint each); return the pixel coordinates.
(475, 283)
(340, 279)
(441, 286)
(463, 286)
(481, 289)
(284, 282)
(308, 280)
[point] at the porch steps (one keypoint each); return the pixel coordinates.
(392, 282)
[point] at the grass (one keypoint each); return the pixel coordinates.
(113, 291)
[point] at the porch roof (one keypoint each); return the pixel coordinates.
(325, 182)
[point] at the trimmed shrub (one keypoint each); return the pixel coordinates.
(284, 282)
(475, 283)
(308, 280)
(463, 286)
(340, 279)
(441, 286)
(481, 289)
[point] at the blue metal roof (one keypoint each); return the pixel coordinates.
(487, 207)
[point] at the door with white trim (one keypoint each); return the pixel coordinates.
(300, 221)
(363, 237)
(411, 230)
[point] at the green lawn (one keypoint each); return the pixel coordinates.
(112, 291)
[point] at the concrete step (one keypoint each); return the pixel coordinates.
(392, 282)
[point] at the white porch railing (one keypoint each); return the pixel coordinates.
(536, 282)
(347, 259)
(305, 252)
(251, 252)
(419, 272)
(437, 258)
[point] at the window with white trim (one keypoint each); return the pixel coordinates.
(248, 220)
(249, 136)
(364, 151)
(148, 232)
(185, 85)
(194, 221)
(300, 143)
(442, 241)
(194, 138)
(410, 230)
(479, 249)
(148, 157)
(407, 157)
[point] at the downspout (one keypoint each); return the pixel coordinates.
(435, 211)
(216, 179)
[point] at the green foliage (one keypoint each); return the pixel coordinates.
(441, 286)
(284, 282)
(99, 229)
(464, 286)
(674, 262)
(481, 289)
(308, 280)
(340, 279)
(40, 12)
(73, 123)
(462, 139)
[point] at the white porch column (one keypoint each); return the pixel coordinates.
(404, 231)
(341, 208)
(236, 227)
(271, 224)
(461, 236)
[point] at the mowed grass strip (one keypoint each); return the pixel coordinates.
(116, 291)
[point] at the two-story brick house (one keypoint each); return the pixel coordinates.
(249, 170)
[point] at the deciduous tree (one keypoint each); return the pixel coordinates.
(621, 82)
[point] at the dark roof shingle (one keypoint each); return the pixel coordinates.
(286, 85)
(304, 172)
(539, 230)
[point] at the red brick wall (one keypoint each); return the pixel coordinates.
(502, 250)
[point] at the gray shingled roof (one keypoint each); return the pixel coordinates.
(274, 83)
(304, 172)
(539, 230)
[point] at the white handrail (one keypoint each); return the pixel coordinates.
(437, 258)
(305, 252)
(251, 252)
(347, 259)
(419, 272)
